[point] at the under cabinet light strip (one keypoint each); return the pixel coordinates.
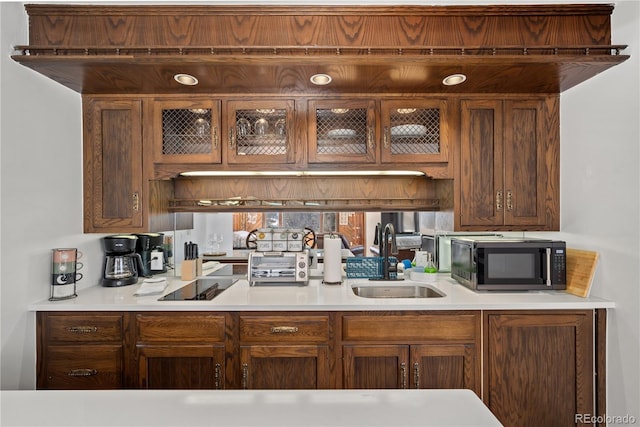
(304, 173)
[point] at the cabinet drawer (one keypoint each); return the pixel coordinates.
(418, 327)
(85, 367)
(284, 328)
(180, 328)
(84, 329)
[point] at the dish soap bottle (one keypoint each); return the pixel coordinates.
(430, 267)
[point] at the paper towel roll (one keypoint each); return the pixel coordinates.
(332, 260)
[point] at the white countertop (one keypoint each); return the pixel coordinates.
(281, 408)
(318, 297)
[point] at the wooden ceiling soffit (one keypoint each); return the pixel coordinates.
(215, 194)
(274, 50)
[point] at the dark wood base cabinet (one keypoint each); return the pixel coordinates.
(539, 366)
(532, 368)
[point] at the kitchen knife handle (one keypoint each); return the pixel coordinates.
(403, 375)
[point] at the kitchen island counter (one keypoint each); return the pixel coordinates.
(317, 296)
(280, 408)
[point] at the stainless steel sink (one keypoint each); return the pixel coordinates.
(397, 291)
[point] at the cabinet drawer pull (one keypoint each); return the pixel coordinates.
(416, 375)
(371, 138)
(245, 376)
(82, 329)
(499, 200)
(284, 329)
(216, 138)
(82, 372)
(217, 376)
(385, 137)
(403, 375)
(509, 200)
(232, 139)
(136, 202)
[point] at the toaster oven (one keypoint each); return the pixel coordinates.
(278, 268)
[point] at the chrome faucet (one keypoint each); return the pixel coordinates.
(382, 236)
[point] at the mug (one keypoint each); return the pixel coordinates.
(66, 255)
(65, 278)
(66, 267)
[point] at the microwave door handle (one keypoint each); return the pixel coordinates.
(548, 251)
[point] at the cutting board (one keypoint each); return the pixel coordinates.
(581, 267)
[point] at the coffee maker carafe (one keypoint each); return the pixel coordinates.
(122, 265)
(151, 250)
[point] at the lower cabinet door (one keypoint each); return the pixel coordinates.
(86, 367)
(181, 366)
(453, 366)
(376, 366)
(284, 367)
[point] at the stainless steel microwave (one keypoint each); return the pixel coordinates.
(509, 264)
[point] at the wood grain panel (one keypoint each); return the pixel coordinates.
(180, 327)
(405, 328)
(539, 367)
(299, 329)
(83, 329)
(376, 366)
(92, 367)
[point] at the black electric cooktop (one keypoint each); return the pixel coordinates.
(205, 288)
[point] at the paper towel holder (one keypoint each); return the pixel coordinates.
(327, 238)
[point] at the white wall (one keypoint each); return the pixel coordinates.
(41, 189)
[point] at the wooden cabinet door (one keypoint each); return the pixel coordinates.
(481, 164)
(525, 175)
(342, 131)
(415, 131)
(82, 367)
(539, 367)
(452, 366)
(260, 132)
(186, 131)
(113, 184)
(181, 366)
(284, 367)
(376, 366)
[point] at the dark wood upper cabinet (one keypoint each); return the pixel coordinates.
(386, 49)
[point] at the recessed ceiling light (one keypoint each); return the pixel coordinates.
(454, 79)
(321, 79)
(186, 79)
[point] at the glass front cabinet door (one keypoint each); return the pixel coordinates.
(342, 131)
(260, 132)
(414, 131)
(186, 131)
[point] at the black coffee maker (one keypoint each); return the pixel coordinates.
(122, 265)
(151, 250)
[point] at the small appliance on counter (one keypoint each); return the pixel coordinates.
(122, 264)
(153, 256)
(278, 268)
(439, 244)
(505, 264)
